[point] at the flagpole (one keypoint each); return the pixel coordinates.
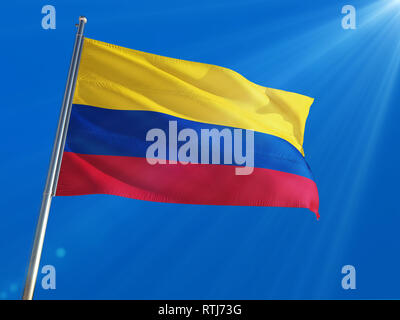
(55, 164)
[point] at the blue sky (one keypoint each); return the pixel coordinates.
(106, 247)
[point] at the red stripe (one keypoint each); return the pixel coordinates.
(209, 184)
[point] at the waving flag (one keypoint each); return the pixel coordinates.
(137, 126)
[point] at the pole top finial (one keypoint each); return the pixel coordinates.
(83, 19)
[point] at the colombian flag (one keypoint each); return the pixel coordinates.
(122, 94)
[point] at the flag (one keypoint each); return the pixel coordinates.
(160, 129)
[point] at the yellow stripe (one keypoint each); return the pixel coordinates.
(114, 77)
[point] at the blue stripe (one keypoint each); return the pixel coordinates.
(102, 131)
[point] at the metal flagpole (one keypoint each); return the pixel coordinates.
(55, 163)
